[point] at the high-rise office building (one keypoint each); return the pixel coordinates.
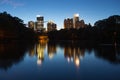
(82, 24)
(79, 24)
(31, 24)
(68, 23)
(40, 23)
(75, 20)
(51, 26)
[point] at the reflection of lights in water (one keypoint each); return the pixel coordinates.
(81, 57)
(40, 58)
(71, 59)
(39, 61)
(68, 59)
(40, 47)
(51, 56)
(40, 55)
(77, 62)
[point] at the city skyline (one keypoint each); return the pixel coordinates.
(58, 10)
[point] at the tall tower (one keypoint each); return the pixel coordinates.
(31, 24)
(40, 23)
(68, 23)
(75, 19)
(51, 26)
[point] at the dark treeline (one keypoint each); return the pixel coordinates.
(103, 31)
(14, 28)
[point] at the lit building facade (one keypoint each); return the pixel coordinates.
(51, 26)
(39, 23)
(74, 22)
(68, 23)
(79, 24)
(31, 25)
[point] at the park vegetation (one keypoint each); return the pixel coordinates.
(13, 28)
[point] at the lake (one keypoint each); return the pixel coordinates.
(63, 60)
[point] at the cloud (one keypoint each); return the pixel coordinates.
(11, 2)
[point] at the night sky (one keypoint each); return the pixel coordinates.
(58, 10)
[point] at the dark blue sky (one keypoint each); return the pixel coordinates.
(58, 10)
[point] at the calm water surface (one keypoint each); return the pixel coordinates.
(59, 61)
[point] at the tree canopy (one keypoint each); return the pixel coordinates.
(12, 27)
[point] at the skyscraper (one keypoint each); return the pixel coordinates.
(40, 23)
(68, 23)
(31, 24)
(51, 26)
(75, 20)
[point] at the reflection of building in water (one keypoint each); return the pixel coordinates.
(40, 47)
(77, 61)
(51, 50)
(32, 51)
(73, 53)
(40, 53)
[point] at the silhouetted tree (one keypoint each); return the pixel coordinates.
(109, 28)
(14, 28)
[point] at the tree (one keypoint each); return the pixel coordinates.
(14, 28)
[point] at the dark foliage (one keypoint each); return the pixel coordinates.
(14, 28)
